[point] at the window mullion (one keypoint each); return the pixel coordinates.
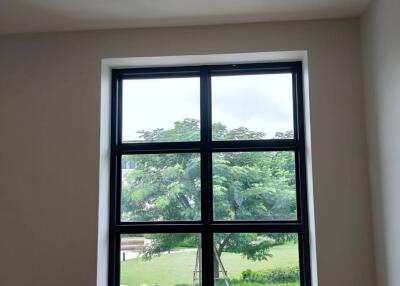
(206, 177)
(304, 258)
(301, 177)
(113, 259)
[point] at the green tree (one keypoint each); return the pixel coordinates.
(246, 186)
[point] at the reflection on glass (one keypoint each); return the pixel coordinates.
(250, 107)
(160, 187)
(254, 186)
(160, 259)
(256, 259)
(161, 110)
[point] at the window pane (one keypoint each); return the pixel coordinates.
(248, 107)
(254, 186)
(161, 110)
(160, 187)
(160, 259)
(256, 259)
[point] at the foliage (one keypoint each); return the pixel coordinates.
(283, 275)
(246, 185)
(273, 276)
(240, 282)
(253, 276)
(221, 132)
(177, 266)
(161, 187)
(163, 242)
(244, 283)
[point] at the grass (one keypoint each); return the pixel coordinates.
(174, 268)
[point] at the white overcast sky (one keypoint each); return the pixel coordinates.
(258, 102)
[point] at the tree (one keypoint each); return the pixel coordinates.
(246, 186)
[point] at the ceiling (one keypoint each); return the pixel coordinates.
(21, 16)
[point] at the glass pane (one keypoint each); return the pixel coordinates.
(160, 259)
(160, 187)
(254, 186)
(161, 110)
(256, 259)
(249, 107)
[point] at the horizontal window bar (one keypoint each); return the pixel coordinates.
(162, 147)
(160, 75)
(252, 68)
(253, 145)
(161, 223)
(215, 222)
(221, 227)
(213, 69)
(239, 72)
(215, 146)
(264, 222)
(156, 72)
(267, 67)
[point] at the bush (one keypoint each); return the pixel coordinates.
(238, 282)
(244, 283)
(274, 276)
(283, 275)
(253, 276)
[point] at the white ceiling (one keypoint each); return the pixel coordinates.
(18, 16)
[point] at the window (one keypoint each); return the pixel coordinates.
(208, 176)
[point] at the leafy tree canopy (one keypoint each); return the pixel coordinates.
(246, 186)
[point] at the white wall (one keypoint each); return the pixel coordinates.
(381, 44)
(50, 88)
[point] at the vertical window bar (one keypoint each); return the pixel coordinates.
(296, 122)
(206, 176)
(117, 259)
(118, 193)
(304, 261)
(295, 106)
(301, 258)
(119, 107)
(299, 210)
(111, 259)
(305, 235)
(113, 170)
(118, 143)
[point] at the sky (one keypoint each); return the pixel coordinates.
(261, 103)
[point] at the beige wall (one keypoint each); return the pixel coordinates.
(381, 45)
(50, 128)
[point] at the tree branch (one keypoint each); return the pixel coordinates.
(222, 245)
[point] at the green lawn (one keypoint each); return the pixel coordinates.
(174, 268)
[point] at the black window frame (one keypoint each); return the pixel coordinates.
(207, 226)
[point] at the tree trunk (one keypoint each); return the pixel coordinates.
(217, 255)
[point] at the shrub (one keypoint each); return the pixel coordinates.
(274, 276)
(238, 282)
(244, 283)
(253, 276)
(283, 275)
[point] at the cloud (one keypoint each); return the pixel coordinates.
(258, 102)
